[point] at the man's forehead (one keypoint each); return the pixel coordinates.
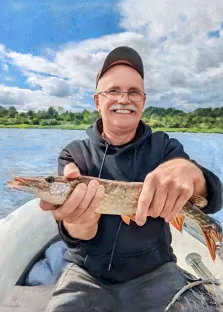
(116, 86)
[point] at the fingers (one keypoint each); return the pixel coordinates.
(180, 202)
(144, 201)
(89, 215)
(71, 203)
(90, 194)
(46, 206)
(158, 203)
(71, 171)
(85, 203)
(169, 204)
(83, 198)
(97, 198)
(165, 192)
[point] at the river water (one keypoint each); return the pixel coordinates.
(29, 152)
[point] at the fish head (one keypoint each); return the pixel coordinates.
(54, 190)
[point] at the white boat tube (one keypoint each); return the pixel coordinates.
(23, 233)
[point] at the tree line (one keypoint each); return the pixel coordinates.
(155, 116)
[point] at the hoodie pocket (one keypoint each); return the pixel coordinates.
(123, 267)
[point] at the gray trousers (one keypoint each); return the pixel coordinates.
(78, 291)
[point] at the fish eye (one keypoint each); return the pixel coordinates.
(50, 179)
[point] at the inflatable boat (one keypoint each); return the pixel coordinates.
(28, 233)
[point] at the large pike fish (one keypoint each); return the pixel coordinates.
(120, 198)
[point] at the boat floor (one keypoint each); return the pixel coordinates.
(27, 299)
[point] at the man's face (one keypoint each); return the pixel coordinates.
(125, 78)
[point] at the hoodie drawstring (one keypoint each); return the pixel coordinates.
(120, 224)
(114, 245)
(103, 160)
(116, 238)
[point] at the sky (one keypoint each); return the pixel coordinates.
(51, 51)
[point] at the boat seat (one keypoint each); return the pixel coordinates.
(27, 299)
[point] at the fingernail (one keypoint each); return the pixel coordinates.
(140, 222)
(95, 183)
(71, 172)
(83, 186)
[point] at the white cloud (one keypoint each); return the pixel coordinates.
(51, 85)
(165, 17)
(215, 73)
(25, 99)
(69, 75)
(81, 61)
(33, 63)
(183, 65)
(77, 62)
(182, 56)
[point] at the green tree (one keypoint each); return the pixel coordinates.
(12, 112)
(30, 113)
(3, 111)
(51, 113)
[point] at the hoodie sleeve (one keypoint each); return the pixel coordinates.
(174, 149)
(64, 158)
(70, 241)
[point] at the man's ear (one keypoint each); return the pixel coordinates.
(96, 100)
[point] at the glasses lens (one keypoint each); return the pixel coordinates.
(135, 96)
(114, 94)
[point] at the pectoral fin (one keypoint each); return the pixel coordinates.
(127, 219)
(178, 222)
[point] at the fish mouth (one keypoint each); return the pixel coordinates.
(17, 182)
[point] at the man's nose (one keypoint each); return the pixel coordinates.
(124, 99)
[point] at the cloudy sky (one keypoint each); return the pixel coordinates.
(50, 51)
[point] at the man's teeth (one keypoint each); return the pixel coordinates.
(123, 111)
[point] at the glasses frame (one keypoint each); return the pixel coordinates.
(102, 92)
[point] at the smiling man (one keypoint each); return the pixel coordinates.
(115, 266)
(122, 102)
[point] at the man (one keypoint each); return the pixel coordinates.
(115, 266)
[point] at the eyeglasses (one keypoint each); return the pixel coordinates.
(117, 95)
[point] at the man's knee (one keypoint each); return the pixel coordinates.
(76, 290)
(68, 301)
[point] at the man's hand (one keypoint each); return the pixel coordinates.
(78, 212)
(167, 189)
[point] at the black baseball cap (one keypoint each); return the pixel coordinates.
(122, 55)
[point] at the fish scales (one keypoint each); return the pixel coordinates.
(120, 198)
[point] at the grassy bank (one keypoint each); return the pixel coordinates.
(63, 127)
(191, 130)
(84, 127)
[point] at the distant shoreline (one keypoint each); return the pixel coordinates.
(84, 127)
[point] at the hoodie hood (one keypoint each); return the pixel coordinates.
(94, 132)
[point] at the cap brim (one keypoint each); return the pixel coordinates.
(122, 55)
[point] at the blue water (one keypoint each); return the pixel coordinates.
(34, 152)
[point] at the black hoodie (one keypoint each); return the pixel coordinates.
(121, 252)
